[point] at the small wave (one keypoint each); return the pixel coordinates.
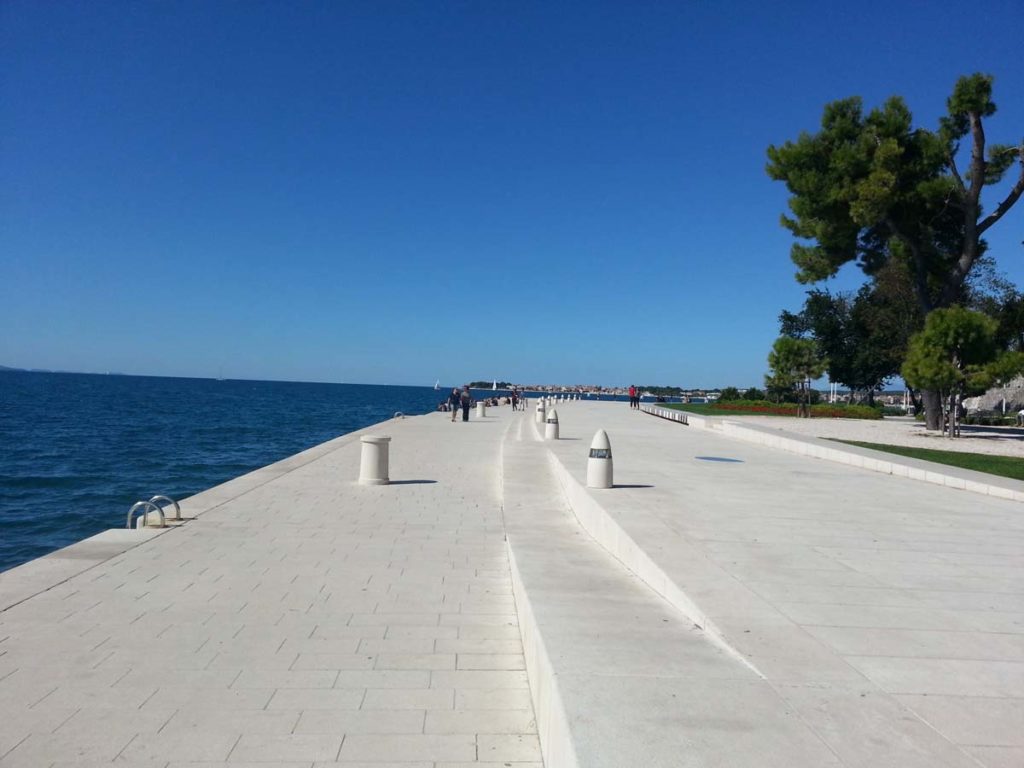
(45, 482)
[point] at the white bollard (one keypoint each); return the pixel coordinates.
(539, 415)
(599, 465)
(551, 425)
(481, 409)
(373, 464)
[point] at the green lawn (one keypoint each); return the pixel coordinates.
(1004, 466)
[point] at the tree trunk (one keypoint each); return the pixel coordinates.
(916, 400)
(932, 402)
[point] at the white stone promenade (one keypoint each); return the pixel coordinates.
(302, 620)
(728, 604)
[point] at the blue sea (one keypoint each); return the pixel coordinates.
(77, 450)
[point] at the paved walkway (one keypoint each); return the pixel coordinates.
(621, 677)
(889, 613)
(303, 621)
(726, 604)
(995, 441)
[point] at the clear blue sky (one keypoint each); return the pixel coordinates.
(390, 192)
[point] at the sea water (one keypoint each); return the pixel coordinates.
(77, 450)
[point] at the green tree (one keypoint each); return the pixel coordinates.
(956, 355)
(778, 388)
(991, 293)
(729, 393)
(793, 363)
(862, 335)
(754, 394)
(874, 189)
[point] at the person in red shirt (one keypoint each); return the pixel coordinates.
(634, 401)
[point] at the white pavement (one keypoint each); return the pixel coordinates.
(995, 441)
(726, 605)
(302, 620)
(887, 613)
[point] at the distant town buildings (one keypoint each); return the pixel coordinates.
(894, 398)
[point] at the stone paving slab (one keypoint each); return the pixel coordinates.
(297, 619)
(854, 455)
(849, 590)
(28, 579)
(844, 617)
(621, 677)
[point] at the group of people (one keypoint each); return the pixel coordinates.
(463, 400)
(456, 401)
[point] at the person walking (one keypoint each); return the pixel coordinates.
(515, 399)
(454, 402)
(632, 396)
(466, 400)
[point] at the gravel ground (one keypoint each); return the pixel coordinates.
(999, 441)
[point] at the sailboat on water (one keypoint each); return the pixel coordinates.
(494, 387)
(437, 384)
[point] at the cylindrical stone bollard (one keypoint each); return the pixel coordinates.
(599, 465)
(481, 409)
(539, 413)
(551, 425)
(373, 464)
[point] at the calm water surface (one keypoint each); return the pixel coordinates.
(77, 450)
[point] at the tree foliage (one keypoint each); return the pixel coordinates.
(876, 191)
(991, 293)
(793, 362)
(952, 349)
(957, 355)
(863, 335)
(729, 393)
(873, 188)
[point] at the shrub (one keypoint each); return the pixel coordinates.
(990, 420)
(729, 393)
(753, 394)
(822, 411)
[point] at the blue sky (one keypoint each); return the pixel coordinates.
(389, 192)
